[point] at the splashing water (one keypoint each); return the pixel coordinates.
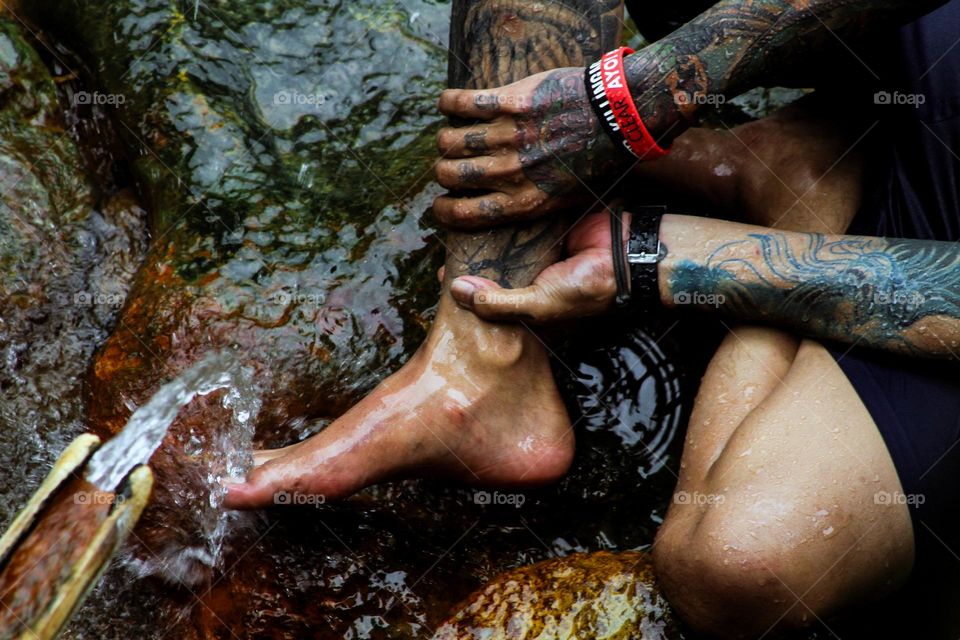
(220, 453)
(148, 425)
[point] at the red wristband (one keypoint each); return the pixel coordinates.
(611, 99)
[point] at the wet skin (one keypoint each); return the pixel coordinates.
(807, 526)
(447, 410)
(775, 521)
(535, 135)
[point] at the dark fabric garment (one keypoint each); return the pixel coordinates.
(912, 191)
(655, 18)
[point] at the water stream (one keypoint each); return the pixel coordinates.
(149, 424)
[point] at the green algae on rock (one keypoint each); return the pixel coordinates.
(601, 596)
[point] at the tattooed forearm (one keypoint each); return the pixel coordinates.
(739, 44)
(494, 42)
(897, 295)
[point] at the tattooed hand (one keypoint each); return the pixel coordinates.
(537, 147)
(582, 285)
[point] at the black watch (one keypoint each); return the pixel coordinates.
(639, 287)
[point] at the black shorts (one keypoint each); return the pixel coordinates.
(913, 191)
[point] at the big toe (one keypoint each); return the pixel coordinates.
(259, 490)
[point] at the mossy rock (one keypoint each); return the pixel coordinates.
(68, 251)
(600, 596)
(285, 209)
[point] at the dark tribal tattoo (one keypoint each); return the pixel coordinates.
(560, 141)
(898, 295)
(496, 42)
(739, 44)
(469, 173)
(476, 142)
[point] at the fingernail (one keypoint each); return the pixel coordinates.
(463, 291)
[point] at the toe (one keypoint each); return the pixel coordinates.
(259, 490)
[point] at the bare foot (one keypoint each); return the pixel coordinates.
(476, 403)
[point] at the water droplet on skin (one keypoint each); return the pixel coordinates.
(828, 532)
(723, 170)
(822, 513)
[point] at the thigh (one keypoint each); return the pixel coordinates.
(749, 365)
(790, 519)
(808, 471)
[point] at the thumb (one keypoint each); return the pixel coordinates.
(490, 301)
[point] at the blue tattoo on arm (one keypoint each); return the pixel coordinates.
(872, 291)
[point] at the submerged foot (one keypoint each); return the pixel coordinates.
(476, 403)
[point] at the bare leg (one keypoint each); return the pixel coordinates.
(784, 525)
(797, 169)
(455, 408)
(776, 520)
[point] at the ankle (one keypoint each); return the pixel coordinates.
(479, 343)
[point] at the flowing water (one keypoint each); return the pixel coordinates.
(221, 453)
(148, 425)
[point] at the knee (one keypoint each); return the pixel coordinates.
(725, 582)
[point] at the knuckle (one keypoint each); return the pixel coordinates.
(463, 102)
(446, 139)
(445, 173)
(441, 209)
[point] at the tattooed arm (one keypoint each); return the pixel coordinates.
(494, 42)
(896, 295)
(538, 144)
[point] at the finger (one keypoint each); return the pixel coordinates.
(440, 273)
(492, 302)
(466, 103)
(477, 140)
(486, 172)
(479, 212)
